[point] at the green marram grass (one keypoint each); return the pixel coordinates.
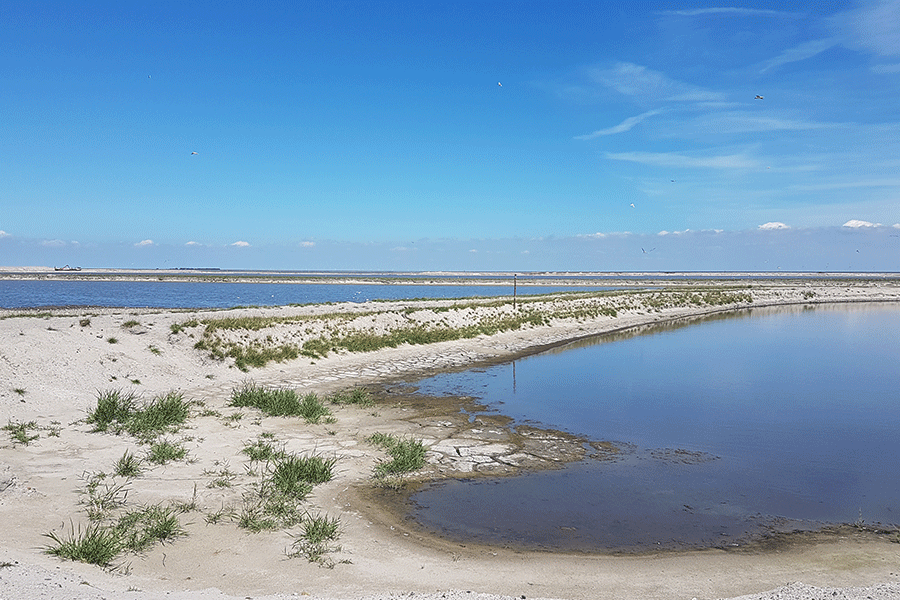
(275, 500)
(117, 411)
(282, 402)
(406, 454)
(19, 433)
(165, 451)
(316, 538)
(94, 544)
(128, 466)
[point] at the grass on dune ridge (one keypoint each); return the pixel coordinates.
(255, 341)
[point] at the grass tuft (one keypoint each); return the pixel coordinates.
(164, 451)
(19, 432)
(315, 539)
(95, 544)
(118, 411)
(406, 454)
(282, 402)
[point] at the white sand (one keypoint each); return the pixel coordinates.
(51, 369)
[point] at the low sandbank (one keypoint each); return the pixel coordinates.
(55, 363)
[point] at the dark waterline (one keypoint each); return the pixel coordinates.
(775, 419)
(204, 294)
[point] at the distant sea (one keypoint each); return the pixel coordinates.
(205, 295)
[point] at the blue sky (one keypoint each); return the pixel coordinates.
(472, 135)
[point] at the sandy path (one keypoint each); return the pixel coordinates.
(52, 367)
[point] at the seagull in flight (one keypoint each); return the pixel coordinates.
(758, 97)
(647, 251)
(193, 153)
(500, 84)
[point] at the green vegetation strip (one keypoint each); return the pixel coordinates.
(340, 335)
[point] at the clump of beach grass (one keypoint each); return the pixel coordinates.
(19, 432)
(100, 543)
(282, 402)
(117, 411)
(286, 480)
(316, 538)
(356, 397)
(128, 466)
(406, 454)
(95, 544)
(165, 451)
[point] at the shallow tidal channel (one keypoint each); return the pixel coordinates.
(725, 428)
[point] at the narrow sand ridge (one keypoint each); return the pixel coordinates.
(54, 365)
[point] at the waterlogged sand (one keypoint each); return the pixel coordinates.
(53, 366)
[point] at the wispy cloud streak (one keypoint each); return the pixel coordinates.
(801, 52)
(670, 159)
(622, 127)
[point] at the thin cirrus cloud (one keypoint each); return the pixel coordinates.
(800, 52)
(671, 159)
(718, 10)
(636, 80)
(873, 27)
(745, 122)
(622, 127)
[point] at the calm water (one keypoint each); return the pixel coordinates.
(779, 418)
(203, 294)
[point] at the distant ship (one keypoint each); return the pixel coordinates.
(67, 268)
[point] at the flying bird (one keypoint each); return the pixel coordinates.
(758, 97)
(647, 251)
(632, 205)
(500, 84)
(193, 153)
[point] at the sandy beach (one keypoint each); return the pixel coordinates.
(54, 364)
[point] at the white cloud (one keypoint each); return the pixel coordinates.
(193, 244)
(746, 122)
(856, 224)
(3, 234)
(241, 244)
(774, 225)
(622, 127)
(669, 159)
(864, 183)
(635, 80)
(53, 243)
(873, 27)
(592, 235)
(801, 52)
(307, 244)
(144, 243)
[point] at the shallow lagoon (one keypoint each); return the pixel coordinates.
(766, 419)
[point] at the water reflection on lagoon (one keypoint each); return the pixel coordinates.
(768, 418)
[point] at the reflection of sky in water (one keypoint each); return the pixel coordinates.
(799, 405)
